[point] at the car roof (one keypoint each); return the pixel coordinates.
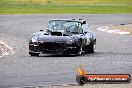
(77, 20)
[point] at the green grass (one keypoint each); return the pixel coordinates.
(60, 6)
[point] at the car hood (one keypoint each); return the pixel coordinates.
(48, 37)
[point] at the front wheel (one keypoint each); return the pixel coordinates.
(79, 50)
(34, 54)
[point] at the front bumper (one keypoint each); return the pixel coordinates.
(54, 48)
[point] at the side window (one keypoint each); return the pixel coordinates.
(85, 28)
(80, 28)
(49, 26)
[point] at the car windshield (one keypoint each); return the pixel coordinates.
(68, 26)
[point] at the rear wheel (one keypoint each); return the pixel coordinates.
(90, 48)
(34, 54)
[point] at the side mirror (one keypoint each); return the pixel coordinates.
(84, 22)
(85, 32)
(41, 30)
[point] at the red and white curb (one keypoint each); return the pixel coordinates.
(5, 49)
(109, 30)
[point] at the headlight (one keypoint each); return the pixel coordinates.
(70, 40)
(34, 38)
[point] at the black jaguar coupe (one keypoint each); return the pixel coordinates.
(63, 36)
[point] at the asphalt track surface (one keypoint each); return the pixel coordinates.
(113, 52)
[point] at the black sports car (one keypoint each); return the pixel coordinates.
(63, 36)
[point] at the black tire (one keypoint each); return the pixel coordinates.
(34, 54)
(90, 49)
(79, 51)
(81, 80)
